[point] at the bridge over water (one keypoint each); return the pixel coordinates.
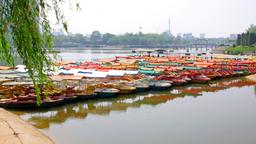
(197, 44)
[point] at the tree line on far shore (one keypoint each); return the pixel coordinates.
(132, 40)
(248, 38)
(96, 39)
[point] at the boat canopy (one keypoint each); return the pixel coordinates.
(94, 74)
(116, 73)
(131, 72)
(127, 61)
(69, 72)
(106, 60)
(87, 71)
(62, 63)
(66, 77)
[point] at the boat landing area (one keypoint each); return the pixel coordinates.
(16, 131)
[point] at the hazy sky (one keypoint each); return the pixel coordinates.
(215, 18)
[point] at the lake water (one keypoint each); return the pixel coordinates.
(222, 112)
(97, 53)
(91, 54)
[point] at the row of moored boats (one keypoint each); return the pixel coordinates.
(107, 78)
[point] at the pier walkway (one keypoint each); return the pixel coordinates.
(13, 130)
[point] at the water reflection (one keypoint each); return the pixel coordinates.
(254, 88)
(44, 118)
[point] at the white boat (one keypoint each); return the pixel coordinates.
(94, 74)
(116, 73)
(131, 72)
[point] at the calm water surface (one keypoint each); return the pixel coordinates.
(96, 53)
(222, 112)
(88, 54)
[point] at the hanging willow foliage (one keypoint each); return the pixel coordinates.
(25, 32)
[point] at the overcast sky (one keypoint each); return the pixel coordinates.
(215, 18)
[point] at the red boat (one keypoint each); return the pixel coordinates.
(173, 79)
(14, 103)
(201, 79)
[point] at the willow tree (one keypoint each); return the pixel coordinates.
(25, 32)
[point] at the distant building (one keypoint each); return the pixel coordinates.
(179, 35)
(188, 36)
(233, 36)
(169, 30)
(202, 36)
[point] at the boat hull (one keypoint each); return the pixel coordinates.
(70, 99)
(198, 81)
(141, 89)
(105, 95)
(86, 96)
(30, 104)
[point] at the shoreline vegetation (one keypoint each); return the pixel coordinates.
(245, 44)
(241, 50)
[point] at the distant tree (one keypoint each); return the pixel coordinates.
(106, 37)
(78, 38)
(248, 38)
(252, 29)
(178, 39)
(238, 41)
(113, 41)
(243, 39)
(253, 38)
(96, 37)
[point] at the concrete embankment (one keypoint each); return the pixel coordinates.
(13, 130)
(252, 77)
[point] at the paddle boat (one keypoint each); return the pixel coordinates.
(174, 80)
(159, 85)
(141, 87)
(106, 92)
(126, 89)
(200, 79)
(15, 103)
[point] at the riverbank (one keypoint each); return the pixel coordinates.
(16, 131)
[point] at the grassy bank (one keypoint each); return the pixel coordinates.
(241, 50)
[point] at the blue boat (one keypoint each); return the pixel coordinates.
(84, 96)
(159, 85)
(106, 92)
(141, 87)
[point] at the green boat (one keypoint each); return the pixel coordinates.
(149, 72)
(191, 68)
